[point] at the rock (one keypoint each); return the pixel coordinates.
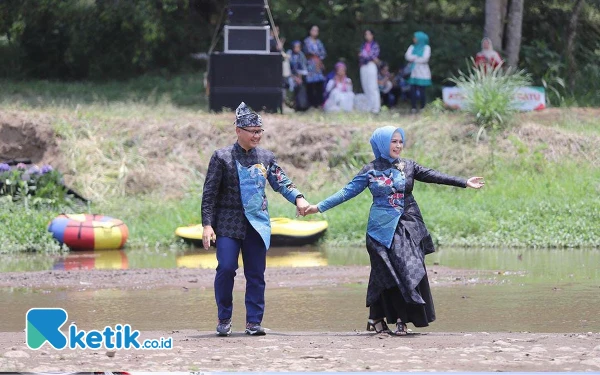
(111, 353)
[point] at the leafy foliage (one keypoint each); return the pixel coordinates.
(489, 92)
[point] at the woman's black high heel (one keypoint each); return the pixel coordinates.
(378, 325)
(401, 329)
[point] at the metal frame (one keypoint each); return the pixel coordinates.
(266, 29)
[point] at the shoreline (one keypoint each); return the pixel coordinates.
(275, 277)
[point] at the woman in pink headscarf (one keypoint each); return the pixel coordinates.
(487, 56)
(340, 96)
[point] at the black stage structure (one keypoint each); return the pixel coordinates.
(246, 70)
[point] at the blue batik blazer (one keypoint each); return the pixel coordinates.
(234, 191)
(391, 186)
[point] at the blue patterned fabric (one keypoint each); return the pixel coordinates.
(245, 117)
(368, 52)
(253, 180)
(315, 53)
(391, 186)
(222, 206)
(387, 188)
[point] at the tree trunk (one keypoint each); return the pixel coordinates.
(571, 35)
(493, 22)
(513, 32)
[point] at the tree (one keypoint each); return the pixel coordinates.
(494, 29)
(570, 49)
(514, 32)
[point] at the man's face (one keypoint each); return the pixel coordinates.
(249, 137)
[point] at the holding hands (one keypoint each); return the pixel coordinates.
(304, 208)
(301, 206)
(475, 182)
(312, 209)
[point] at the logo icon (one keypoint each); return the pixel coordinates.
(44, 325)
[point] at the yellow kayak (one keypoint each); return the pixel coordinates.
(284, 232)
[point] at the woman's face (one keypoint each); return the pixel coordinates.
(396, 145)
(341, 70)
(414, 40)
(297, 48)
(485, 44)
(368, 36)
(314, 31)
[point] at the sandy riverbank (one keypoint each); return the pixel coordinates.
(296, 351)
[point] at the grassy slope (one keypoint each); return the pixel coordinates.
(140, 150)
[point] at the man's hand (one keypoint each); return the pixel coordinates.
(208, 234)
(301, 206)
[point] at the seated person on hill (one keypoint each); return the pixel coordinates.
(339, 92)
(488, 56)
(385, 83)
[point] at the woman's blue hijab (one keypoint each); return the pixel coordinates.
(422, 41)
(381, 140)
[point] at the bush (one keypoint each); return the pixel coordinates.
(489, 92)
(34, 186)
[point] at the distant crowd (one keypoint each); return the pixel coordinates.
(311, 85)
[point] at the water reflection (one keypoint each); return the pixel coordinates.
(276, 257)
(536, 265)
(89, 260)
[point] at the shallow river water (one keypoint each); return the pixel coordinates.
(538, 291)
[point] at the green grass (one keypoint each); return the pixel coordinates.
(529, 200)
(182, 91)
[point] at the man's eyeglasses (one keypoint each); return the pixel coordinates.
(254, 132)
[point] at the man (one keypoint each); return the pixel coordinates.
(234, 213)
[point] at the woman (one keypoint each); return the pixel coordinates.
(487, 56)
(298, 70)
(418, 55)
(315, 80)
(397, 239)
(338, 91)
(369, 60)
(385, 83)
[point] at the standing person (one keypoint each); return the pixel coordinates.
(418, 55)
(369, 60)
(298, 70)
(234, 212)
(488, 56)
(339, 93)
(397, 239)
(315, 52)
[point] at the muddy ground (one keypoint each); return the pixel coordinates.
(297, 351)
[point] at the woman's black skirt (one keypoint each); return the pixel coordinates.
(398, 284)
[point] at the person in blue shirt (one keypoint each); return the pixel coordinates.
(235, 214)
(397, 239)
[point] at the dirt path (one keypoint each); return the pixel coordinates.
(346, 351)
